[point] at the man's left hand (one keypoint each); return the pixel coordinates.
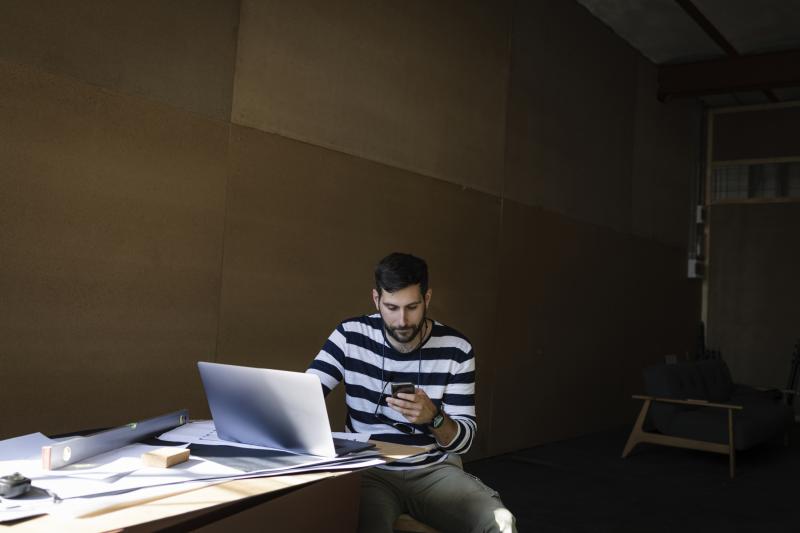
(417, 408)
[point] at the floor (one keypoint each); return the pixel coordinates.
(583, 485)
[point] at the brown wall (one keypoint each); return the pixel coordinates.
(758, 133)
(225, 197)
(112, 212)
(753, 289)
(417, 85)
(753, 256)
(180, 52)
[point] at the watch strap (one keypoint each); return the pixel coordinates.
(438, 419)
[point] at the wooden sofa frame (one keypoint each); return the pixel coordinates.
(639, 435)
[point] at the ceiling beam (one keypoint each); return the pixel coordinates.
(731, 74)
(716, 36)
(709, 28)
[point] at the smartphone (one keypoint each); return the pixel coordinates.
(404, 387)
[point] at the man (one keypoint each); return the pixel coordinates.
(401, 344)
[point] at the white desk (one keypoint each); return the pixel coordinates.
(319, 501)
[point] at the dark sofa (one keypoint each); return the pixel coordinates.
(697, 405)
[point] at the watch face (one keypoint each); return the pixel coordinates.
(437, 420)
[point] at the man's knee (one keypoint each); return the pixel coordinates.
(477, 508)
(504, 520)
(489, 516)
(487, 509)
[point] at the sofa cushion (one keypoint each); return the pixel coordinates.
(679, 381)
(756, 423)
(716, 378)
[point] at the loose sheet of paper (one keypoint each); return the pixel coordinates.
(23, 454)
(122, 470)
(25, 447)
(119, 478)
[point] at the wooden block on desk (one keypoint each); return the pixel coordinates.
(165, 457)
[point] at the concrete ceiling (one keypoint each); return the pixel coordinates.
(724, 52)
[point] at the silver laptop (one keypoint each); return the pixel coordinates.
(271, 408)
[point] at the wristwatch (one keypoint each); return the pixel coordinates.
(438, 419)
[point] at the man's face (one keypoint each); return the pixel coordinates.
(403, 311)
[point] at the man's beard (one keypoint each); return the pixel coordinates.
(405, 335)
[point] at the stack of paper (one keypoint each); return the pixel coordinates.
(120, 478)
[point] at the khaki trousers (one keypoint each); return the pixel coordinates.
(442, 496)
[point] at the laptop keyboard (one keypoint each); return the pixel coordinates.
(345, 446)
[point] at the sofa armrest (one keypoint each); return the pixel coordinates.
(776, 389)
(703, 403)
(787, 395)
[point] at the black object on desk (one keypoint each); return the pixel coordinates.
(14, 485)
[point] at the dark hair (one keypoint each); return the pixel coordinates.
(397, 271)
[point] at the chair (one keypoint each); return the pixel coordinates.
(406, 523)
(696, 405)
